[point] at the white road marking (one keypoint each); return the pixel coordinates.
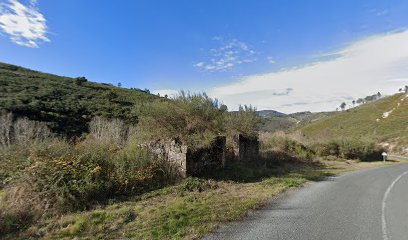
(384, 223)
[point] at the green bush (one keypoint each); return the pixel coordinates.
(280, 145)
(350, 149)
(75, 177)
(244, 121)
(331, 148)
(195, 119)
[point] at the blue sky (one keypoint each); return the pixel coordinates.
(272, 54)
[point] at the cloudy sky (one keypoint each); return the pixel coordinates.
(274, 54)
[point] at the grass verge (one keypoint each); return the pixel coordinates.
(189, 209)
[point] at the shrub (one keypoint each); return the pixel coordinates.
(80, 80)
(21, 131)
(114, 131)
(331, 148)
(62, 177)
(245, 121)
(195, 119)
(350, 149)
(283, 146)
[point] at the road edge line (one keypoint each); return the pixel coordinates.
(387, 192)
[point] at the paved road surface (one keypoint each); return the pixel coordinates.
(368, 204)
(399, 158)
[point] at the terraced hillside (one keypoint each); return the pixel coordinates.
(66, 104)
(384, 121)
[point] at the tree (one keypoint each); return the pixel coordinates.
(369, 99)
(80, 80)
(343, 106)
(406, 89)
(354, 102)
(147, 91)
(360, 101)
(119, 84)
(378, 95)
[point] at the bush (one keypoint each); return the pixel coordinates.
(244, 121)
(350, 149)
(62, 177)
(114, 131)
(21, 131)
(331, 148)
(195, 119)
(283, 146)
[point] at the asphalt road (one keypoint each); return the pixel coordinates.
(399, 158)
(367, 204)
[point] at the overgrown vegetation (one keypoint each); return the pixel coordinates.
(45, 175)
(48, 176)
(350, 149)
(286, 147)
(75, 161)
(187, 210)
(195, 119)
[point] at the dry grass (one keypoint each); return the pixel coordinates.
(187, 210)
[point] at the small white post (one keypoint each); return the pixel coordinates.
(384, 154)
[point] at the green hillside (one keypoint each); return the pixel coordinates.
(67, 104)
(272, 121)
(366, 122)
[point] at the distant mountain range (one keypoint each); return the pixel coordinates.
(276, 121)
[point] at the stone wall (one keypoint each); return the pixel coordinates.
(173, 151)
(191, 162)
(204, 160)
(248, 148)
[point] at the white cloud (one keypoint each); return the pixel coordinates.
(25, 25)
(169, 92)
(382, 12)
(377, 63)
(271, 60)
(227, 56)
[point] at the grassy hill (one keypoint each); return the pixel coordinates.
(66, 104)
(272, 121)
(366, 122)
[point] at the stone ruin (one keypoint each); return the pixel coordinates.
(196, 162)
(173, 151)
(246, 148)
(191, 162)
